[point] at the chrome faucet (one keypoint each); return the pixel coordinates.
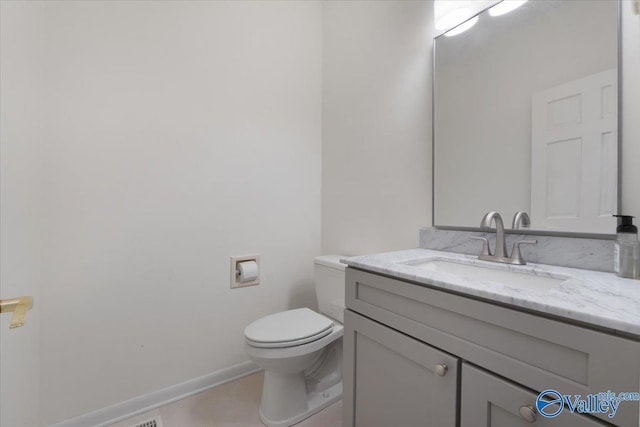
(521, 219)
(501, 245)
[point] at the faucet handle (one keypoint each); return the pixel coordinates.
(516, 256)
(485, 246)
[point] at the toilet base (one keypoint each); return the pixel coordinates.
(316, 401)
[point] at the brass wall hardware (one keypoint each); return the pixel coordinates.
(19, 306)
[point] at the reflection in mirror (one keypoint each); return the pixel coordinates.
(526, 120)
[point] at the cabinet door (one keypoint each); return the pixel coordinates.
(488, 400)
(393, 380)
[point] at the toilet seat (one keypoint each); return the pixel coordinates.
(287, 329)
(275, 353)
(289, 343)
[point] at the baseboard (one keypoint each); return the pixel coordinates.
(138, 405)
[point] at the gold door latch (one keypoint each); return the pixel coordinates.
(19, 306)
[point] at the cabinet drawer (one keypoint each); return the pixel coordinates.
(489, 401)
(534, 351)
(391, 379)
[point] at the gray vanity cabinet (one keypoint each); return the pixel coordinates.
(396, 380)
(490, 401)
(396, 332)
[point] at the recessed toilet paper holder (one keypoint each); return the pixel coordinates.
(251, 270)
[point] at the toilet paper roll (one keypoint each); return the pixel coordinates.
(247, 271)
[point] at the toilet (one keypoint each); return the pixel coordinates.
(301, 351)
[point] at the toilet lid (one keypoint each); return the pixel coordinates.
(285, 344)
(289, 327)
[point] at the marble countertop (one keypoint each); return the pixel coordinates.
(603, 300)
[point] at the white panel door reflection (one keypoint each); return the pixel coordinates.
(574, 155)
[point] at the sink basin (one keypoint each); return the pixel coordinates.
(529, 278)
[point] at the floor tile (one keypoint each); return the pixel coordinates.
(234, 404)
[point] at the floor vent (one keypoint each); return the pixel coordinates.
(155, 422)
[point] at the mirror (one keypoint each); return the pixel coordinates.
(526, 118)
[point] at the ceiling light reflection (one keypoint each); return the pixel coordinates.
(462, 27)
(505, 6)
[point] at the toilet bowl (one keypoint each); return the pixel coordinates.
(301, 351)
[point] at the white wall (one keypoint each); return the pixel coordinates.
(630, 109)
(21, 131)
(376, 126)
(176, 134)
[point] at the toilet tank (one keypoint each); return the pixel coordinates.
(329, 282)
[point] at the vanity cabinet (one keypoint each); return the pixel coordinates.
(489, 401)
(518, 350)
(397, 380)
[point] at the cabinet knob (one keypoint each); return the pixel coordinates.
(528, 413)
(441, 369)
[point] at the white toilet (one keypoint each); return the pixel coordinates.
(301, 351)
